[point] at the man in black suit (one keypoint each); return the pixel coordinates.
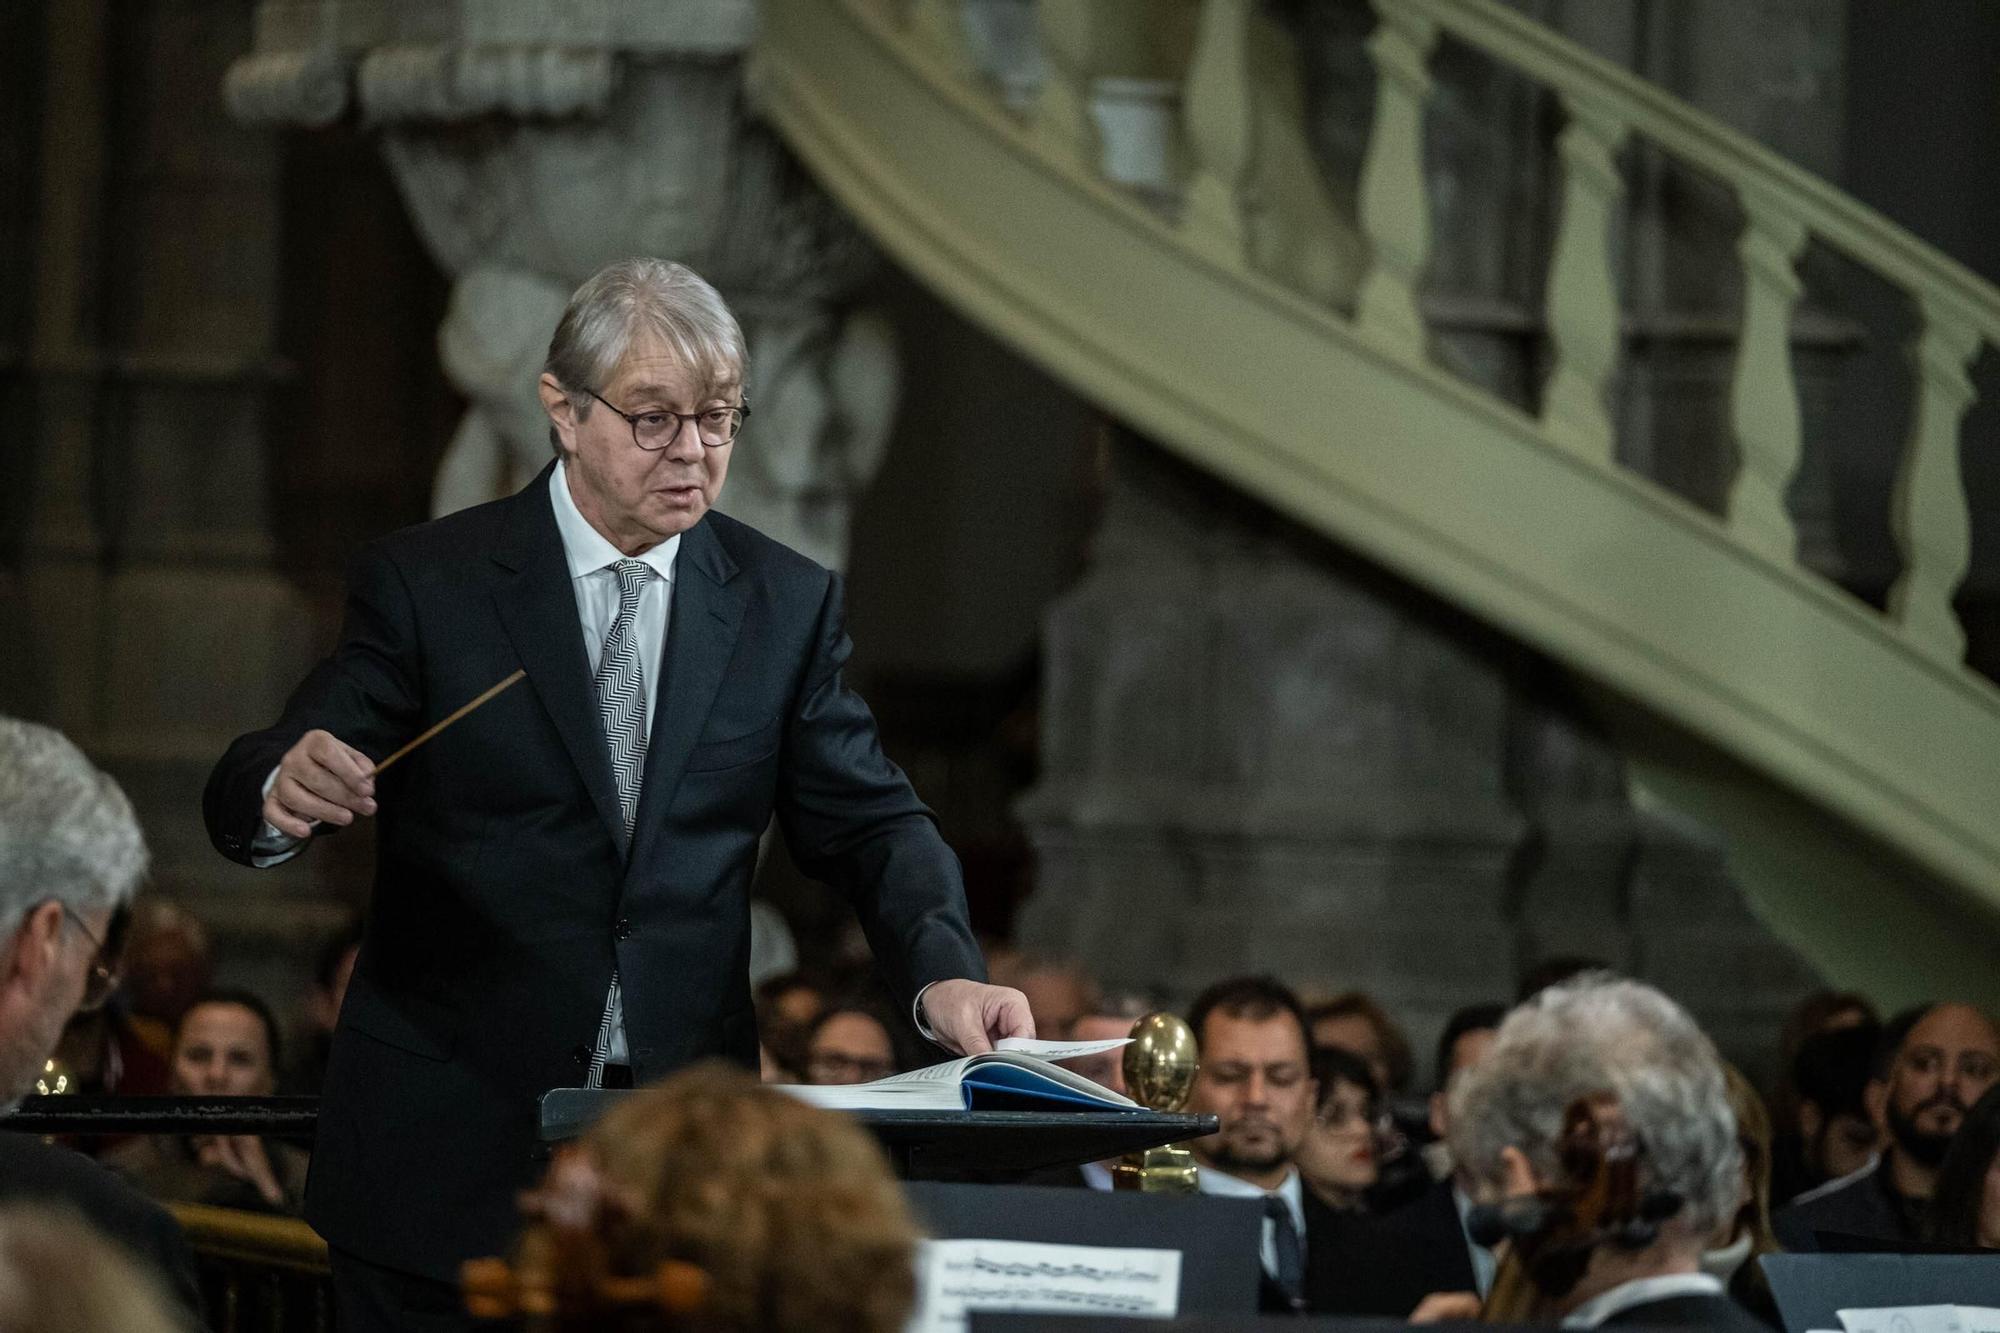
(1652, 1082)
(1256, 1078)
(562, 878)
(70, 856)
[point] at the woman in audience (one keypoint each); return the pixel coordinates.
(790, 1211)
(59, 1276)
(1338, 1159)
(1965, 1210)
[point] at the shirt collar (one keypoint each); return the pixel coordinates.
(586, 548)
(1640, 1291)
(1211, 1181)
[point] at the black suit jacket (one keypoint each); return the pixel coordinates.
(32, 1171)
(1863, 1207)
(1385, 1265)
(505, 891)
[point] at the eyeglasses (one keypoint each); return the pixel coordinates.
(653, 431)
(840, 1067)
(108, 960)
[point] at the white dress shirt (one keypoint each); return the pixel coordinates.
(1640, 1291)
(1211, 1181)
(1484, 1262)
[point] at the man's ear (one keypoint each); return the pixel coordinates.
(32, 950)
(1518, 1174)
(1811, 1121)
(562, 416)
(1875, 1098)
(1438, 1113)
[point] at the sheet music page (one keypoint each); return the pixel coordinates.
(955, 1277)
(953, 1071)
(1905, 1319)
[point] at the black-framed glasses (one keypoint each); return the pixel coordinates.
(107, 960)
(653, 431)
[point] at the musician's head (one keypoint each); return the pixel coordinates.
(1255, 1077)
(1619, 1044)
(791, 1210)
(71, 855)
(644, 390)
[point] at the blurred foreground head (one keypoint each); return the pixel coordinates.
(790, 1210)
(59, 1276)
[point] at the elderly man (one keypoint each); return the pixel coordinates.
(1650, 1078)
(70, 856)
(562, 885)
(1256, 1078)
(1933, 1063)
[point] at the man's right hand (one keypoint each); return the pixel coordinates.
(320, 780)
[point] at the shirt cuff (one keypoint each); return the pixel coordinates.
(272, 846)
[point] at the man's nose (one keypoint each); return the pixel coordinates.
(686, 445)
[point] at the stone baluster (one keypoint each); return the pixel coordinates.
(1928, 512)
(940, 26)
(1062, 106)
(1582, 298)
(1394, 204)
(1764, 397)
(1221, 132)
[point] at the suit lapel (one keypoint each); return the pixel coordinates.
(701, 636)
(538, 607)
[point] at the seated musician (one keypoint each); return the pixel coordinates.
(791, 1212)
(1598, 1134)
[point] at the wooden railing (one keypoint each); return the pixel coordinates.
(1241, 203)
(259, 1273)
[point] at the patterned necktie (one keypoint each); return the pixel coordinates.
(1291, 1274)
(621, 701)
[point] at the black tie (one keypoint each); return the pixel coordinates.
(1291, 1274)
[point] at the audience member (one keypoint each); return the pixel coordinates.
(787, 1007)
(1935, 1061)
(168, 962)
(333, 967)
(70, 856)
(1830, 1135)
(59, 1276)
(226, 1046)
(853, 1041)
(1467, 1035)
(1746, 1237)
(1058, 994)
(1256, 1078)
(1641, 1067)
(1354, 1022)
(1387, 1264)
(790, 1210)
(1337, 1156)
(1965, 1210)
(1819, 1013)
(1110, 1020)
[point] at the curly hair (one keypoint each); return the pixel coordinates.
(791, 1210)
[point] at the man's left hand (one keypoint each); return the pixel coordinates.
(969, 1016)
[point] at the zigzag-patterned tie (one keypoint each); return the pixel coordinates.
(621, 701)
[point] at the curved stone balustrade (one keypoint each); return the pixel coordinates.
(1728, 656)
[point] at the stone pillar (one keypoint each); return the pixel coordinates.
(143, 613)
(535, 143)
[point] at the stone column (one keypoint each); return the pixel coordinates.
(534, 143)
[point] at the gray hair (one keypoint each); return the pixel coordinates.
(66, 830)
(1600, 1035)
(669, 301)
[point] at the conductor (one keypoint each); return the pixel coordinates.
(562, 881)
